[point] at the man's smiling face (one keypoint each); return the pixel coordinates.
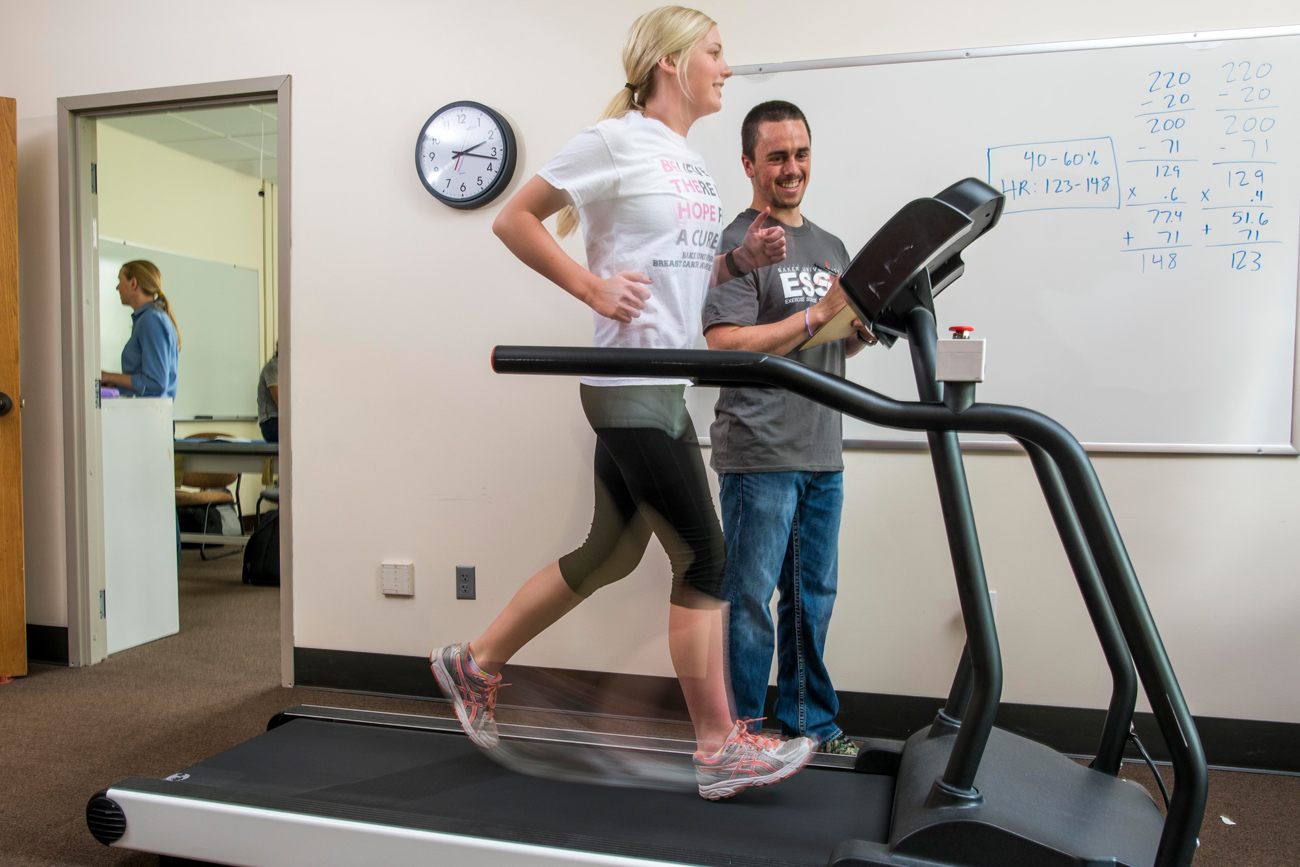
(782, 163)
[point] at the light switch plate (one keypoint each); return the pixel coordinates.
(398, 578)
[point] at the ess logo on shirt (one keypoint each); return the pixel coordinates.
(800, 285)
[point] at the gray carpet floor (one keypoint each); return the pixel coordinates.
(152, 710)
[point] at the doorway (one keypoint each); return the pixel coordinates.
(230, 271)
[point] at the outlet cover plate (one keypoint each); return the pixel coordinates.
(465, 582)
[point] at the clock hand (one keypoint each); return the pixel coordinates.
(480, 156)
(459, 154)
(468, 149)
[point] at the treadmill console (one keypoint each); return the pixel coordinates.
(917, 254)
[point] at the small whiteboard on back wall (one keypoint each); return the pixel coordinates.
(216, 309)
(1141, 287)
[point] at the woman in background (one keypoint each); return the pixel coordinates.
(150, 357)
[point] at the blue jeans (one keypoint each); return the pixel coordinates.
(782, 531)
(270, 429)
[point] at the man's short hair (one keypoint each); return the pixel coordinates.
(772, 111)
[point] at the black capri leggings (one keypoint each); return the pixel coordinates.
(647, 481)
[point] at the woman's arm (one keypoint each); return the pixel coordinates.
(114, 380)
(519, 226)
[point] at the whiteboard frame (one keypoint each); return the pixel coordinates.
(1209, 36)
(1007, 50)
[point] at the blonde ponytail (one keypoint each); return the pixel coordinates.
(669, 31)
(147, 276)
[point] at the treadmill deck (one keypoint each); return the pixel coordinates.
(433, 780)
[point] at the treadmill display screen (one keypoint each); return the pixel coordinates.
(915, 238)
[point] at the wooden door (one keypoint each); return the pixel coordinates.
(13, 608)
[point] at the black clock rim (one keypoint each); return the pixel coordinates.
(498, 186)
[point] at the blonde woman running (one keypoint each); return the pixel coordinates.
(652, 221)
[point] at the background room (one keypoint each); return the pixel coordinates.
(196, 187)
(192, 190)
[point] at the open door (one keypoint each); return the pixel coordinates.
(13, 606)
(78, 147)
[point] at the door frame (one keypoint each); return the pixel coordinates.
(78, 260)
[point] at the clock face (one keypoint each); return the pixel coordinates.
(465, 154)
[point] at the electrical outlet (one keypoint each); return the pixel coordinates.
(464, 582)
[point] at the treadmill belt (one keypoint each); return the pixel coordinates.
(440, 781)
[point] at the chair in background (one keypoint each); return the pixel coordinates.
(214, 490)
(271, 495)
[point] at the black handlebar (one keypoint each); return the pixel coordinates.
(705, 367)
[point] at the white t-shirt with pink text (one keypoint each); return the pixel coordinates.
(648, 205)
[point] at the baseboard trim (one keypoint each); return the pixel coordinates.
(1236, 744)
(47, 644)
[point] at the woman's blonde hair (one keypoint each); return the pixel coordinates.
(669, 31)
(147, 276)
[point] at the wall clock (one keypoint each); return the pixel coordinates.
(465, 154)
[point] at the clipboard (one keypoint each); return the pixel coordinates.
(840, 326)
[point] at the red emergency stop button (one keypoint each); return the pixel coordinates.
(961, 331)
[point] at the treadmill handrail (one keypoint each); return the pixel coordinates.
(1187, 806)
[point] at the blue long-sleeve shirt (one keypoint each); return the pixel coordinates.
(151, 356)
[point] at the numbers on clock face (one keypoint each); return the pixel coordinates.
(462, 152)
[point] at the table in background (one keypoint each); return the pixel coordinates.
(220, 456)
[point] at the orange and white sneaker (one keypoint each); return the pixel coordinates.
(473, 695)
(748, 760)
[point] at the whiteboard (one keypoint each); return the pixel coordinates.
(216, 308)
(1141, 286)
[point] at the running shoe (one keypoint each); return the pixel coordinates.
(747, 760)
(473, 695)
(840, 745)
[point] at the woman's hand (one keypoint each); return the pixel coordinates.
(761, 247)
(620, 297)
(115, 380)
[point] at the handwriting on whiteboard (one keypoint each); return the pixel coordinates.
(1198, 158)
(1050, 176)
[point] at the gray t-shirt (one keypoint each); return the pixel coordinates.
(266, 408)
(757, 430)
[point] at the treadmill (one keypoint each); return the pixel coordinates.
(330, 786)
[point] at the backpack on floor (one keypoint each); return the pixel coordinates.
(262, 553)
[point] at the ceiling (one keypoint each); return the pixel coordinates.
(239, 137)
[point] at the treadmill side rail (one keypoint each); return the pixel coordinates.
(255, 837)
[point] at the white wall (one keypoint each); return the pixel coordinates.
(157, 196)
(397, 301)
